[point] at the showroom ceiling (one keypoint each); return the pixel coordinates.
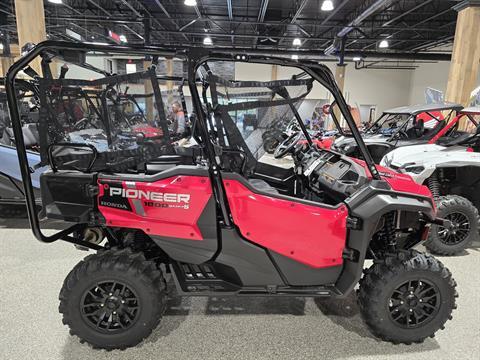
(410, 26)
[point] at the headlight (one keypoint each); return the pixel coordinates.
(414, 169)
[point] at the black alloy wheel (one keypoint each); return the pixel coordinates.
(414, 303)
(457, 232)
(110, 307)
(113, 299)
(462, 227)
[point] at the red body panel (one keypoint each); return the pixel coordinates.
(309, 234)
(148, 131)
(166, 214)
(324, 143)
(442, 132)
(398, 182)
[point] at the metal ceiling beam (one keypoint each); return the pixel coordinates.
(299, 11)
(127, 4)
(261, 16)
(115, 18)
(230, 9)
(262, 11)
(407, 12)
(159, 4)
(99, 7)
(295, 17)
(133, 32)
(419, 23)
(363, 15)
(189, 24)
(334, 12)
(319, 55)
(230, 17)
(250, 35)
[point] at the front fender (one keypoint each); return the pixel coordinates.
(369, 205)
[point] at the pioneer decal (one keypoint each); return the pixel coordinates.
(152, 198)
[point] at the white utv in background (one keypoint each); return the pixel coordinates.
(452, 172)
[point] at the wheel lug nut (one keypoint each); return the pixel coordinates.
(110, 294)
(420, 300)
(123, 301)
(411, 310)
(401, 302)
(102, 305)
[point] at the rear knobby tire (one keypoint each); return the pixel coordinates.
(385, 298)
(113, 299)
(464, 215)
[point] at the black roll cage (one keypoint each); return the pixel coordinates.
(195, 57)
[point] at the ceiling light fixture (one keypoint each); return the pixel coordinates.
(297, 42)
(383, 44)
(294, 57)
(357, 58)
(190, 2)
(327, 5)
(207, 41)
(55, 1)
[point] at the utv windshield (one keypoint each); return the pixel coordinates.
(406, 126)
(388, 124)
(243, 113)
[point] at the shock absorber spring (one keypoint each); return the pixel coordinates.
(434, 185)
(387, 233)
(390, 230)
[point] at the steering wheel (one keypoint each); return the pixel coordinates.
(82, 124)
(403, 135)
(286, 145)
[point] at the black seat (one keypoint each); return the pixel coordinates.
(163, 163)
(263, 186)
(417, 130)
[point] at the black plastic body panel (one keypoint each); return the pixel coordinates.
(298, 274)
(10, 189)
(251, 263)
(66, 195)
(194, 251)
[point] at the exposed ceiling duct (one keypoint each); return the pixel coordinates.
(376, 6)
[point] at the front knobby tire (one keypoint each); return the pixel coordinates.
(464, 218)
(113, 299)
(407, 301)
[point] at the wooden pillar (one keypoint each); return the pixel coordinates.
(340, 79)
(169, 65)
(274, 72)
(7, 61)
(30, 17)
(465, 63)
(149, 103)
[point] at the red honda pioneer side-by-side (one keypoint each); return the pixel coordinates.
(212, 212)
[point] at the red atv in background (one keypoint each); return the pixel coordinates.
(216, 220)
